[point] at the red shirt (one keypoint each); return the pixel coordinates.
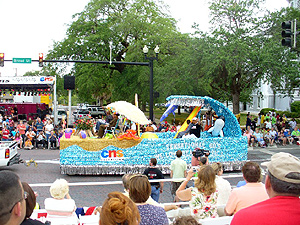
(21, 128)
(5, 134)
(280, 210)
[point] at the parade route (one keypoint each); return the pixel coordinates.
(92, 190)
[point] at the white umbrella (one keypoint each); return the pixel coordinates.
(128, 110)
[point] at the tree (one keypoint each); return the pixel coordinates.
(128, 25)
(238, 53)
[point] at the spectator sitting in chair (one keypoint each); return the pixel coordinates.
(30, 134)
(282, 137)
(289, 137)
(41, 139)
(296, 134)
(28, 144)
(112, 123)
(53, 139)
(258, 137)
(273, 134)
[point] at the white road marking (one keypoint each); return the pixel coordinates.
(51, 161)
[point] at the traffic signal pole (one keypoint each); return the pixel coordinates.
(295, 33)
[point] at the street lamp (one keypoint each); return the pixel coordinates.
(156, 50)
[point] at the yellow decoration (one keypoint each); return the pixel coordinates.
(149, 135)
(96, 144)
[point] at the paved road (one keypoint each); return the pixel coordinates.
(48, 170)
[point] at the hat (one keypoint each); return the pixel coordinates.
(285, 167)
(195, 118)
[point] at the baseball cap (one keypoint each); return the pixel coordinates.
(285, 167)
(195, 118)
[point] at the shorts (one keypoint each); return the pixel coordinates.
(175, 186)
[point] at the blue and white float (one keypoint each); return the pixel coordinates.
(231, 150)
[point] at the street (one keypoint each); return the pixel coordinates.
(47, 171)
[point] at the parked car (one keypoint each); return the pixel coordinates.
(61, 113)
(96, 111)
(83, 114)
(9, 153)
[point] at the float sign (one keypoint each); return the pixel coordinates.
(21, 60)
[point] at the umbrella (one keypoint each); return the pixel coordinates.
(128, 110)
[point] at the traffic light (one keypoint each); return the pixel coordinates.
(287, 33)
(41, 58)
(1, 59)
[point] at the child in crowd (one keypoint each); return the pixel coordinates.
(18, 139)
(28, 144)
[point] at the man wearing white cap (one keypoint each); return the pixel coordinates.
(283, 187)
(195, 127)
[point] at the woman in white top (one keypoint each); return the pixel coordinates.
(223, 185)
(61, 206)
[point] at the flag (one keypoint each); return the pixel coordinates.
(170, 109)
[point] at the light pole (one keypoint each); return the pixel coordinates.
(156, 50)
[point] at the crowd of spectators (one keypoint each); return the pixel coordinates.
(270, 129)
(32, 133)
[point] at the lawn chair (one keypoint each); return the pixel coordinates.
(112, 130)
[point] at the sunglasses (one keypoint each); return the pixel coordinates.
(24, 198)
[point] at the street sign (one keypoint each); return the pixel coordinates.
(21, 60)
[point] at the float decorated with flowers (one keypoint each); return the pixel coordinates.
(131, 153)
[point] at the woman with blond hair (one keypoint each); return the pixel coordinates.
(119, 209)
(202, 197)
(60, 207)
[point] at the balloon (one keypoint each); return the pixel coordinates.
(68, 131)
(109, 136)
(82, 134)
(148, 135)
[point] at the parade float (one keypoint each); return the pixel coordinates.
(81, 156)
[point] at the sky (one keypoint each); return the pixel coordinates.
(30, 27)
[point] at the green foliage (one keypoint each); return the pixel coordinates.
(266, 110)
(286, 113)
(242, 50)
(295, 107)
(129, 25)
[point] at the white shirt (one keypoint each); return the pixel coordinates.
(293, 124)
(154, 127)
(60, 206)
(133, 126)
(224, 188)
(272, 133)
(49, 128)
(268, 125)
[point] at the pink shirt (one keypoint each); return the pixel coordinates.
(247, 135)
(245, 196)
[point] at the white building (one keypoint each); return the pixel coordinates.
(264, 96)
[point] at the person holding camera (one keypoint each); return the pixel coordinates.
(200, 157)
(203, 196)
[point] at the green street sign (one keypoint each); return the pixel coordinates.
(21, 60)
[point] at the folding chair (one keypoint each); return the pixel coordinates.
(112, 130)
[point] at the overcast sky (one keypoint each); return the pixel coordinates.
(29, 27)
